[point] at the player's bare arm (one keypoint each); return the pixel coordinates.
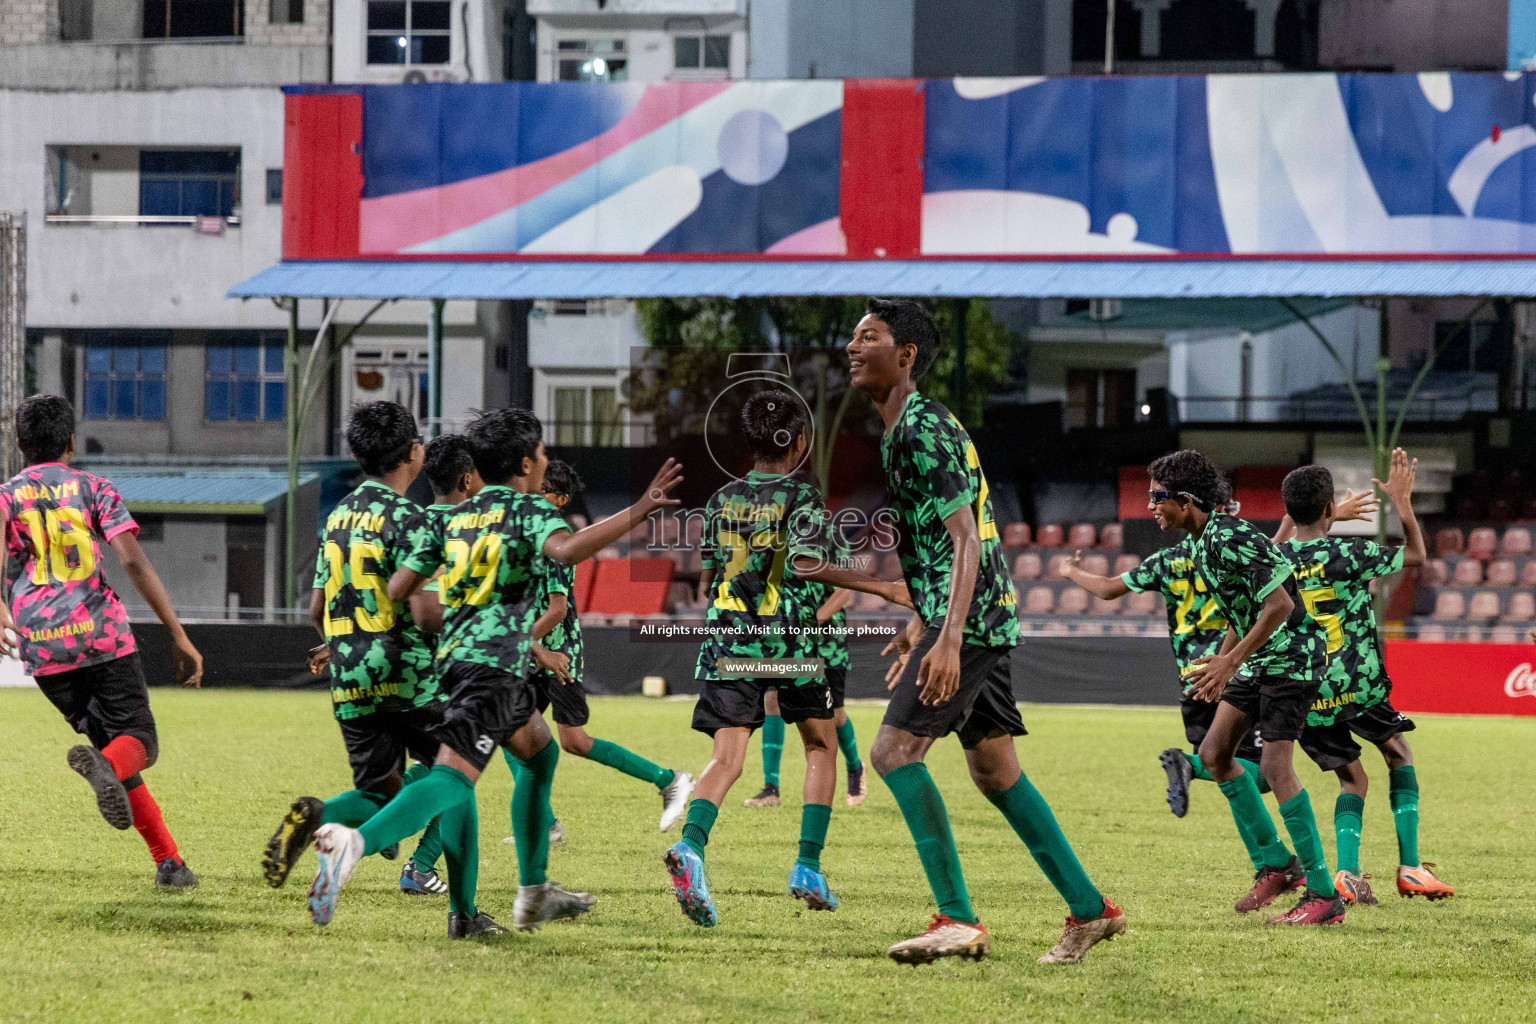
(938, 677)
(1105, 587)
(848, 579)
(1214, 671)
(1401, 475)
(427, 611)
(186, 658)
(569, 548)
(839, 600)
(553, 662)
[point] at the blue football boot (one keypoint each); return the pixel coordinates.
(687, 870)
(810, 885)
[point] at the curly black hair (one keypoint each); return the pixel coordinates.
(910, 324)
(447, 461)
(44, 425)
(1190, 473)
(560, 477)
(770, 422)
(381, 435)
(500, 440)
(1306, 493)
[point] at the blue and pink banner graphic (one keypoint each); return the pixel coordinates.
(1428, 164)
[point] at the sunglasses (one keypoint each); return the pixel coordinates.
(1158, 497)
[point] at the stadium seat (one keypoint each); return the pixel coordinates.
(1072, 602)
(611, 551)
(1528, 574)
(1450, 606)
(1482, 542)
(1431, 633)
(1505, 635)
(1522, 608)
(1125, 563)
(1468, 573)
(1484, 606)
(679, 597)
(1435, 573)
(1090, 628)
(579, 521)
(1039, 600)
(1027, 566)
(631, 586)
(585, 572)
(1448, 541)
(1016, 535)
(1050, 536)
(1096, 564)
(1501, 572)
(1112, 536)
(1148, 603)
(1516, 542)
(1103, 607)
(1082, 535)
(1056, 626)
(1053, 567)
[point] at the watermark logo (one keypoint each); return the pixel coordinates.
(1521, 682)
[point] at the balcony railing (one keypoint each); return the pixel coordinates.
(1329, 409)
(185, 220)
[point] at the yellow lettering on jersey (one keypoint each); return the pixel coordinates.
(477, 520)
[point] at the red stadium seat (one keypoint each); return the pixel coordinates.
(1103, 607)
(1050, 536)
(1482, 542)
(1522, 608)
(1431, 633)
(1449, 606)
(1125, 563)
(1082, 535)
(1016, 535)
(631, 586)
(1072, 602)
(1147, 603)
(585, 573)
(1505, 635)
(1096, 564)
(1435, 573)
(1448, 541)
(1528, 574)
(1053, 567)
(1039, 601)
(1027, 566)
(1469, 573)
(1484, 606)
(1112, 536)
(1090, 628)
(1501, 573)
(1516, 542)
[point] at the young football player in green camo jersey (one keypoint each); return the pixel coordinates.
(1196, 628)
(829, 605)
(1269, 629)
(494, 547)
(454, 479)
(1334, 574)
(557, 679)
(383, 689)
(758, 531)
(952, 673)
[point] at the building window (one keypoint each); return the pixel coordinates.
(125, 375)
(189, 182)
(408, 31)
(287, 12)
(274, 186)
(193, 19)
(587, 416)
(701, 53)
(591, 60)
(244, 379)
(1100, 398)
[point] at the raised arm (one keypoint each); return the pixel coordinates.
(569, 548)
(1399, 488)
(1106, 587)
(848, 579)
(188, 662)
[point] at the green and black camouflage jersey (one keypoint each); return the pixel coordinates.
(753, 530)
(1196, 626)
(491, 548)
(380, 659)
(437, 515)
(565, 638)
(809, 595)
(932, 469)
(1334, 573)
(1242, 567)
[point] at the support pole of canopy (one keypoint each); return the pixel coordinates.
(960, 385)
(291, 416)
(435, 367)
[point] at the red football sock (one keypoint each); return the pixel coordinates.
(151, 825)
(126, 755)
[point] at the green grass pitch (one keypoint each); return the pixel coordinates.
(87, 937)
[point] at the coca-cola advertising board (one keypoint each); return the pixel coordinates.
(1463, 679)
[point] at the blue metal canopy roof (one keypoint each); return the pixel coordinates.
(1127, 279)
(160, 490)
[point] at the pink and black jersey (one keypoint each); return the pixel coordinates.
(56, 518)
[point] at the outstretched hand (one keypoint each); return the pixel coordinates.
(1401, 475)
(1356, 506)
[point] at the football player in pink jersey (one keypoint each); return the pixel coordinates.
(71, 631)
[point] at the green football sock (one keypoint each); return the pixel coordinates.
(631, 764)
(461, 849)
(1201, 772)
(1405, 814)
(1197, 767)
(773, 748)
(848, 743)
(1348, 816)
(923, 808)
(414, 806)
(701, 818)
(1253, 820)
(1302, 826)
(352, 808)
(531, 816)
(429, 847)
(1031, 817)
(814, 819)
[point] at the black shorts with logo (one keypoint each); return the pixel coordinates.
(486, 705)
(568, 699)
(837, 679)
(1278, 704)
(377, 745)
(984, 703)
(1198, 716)
(1332, 747)
(104, 701)
(738, 703)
